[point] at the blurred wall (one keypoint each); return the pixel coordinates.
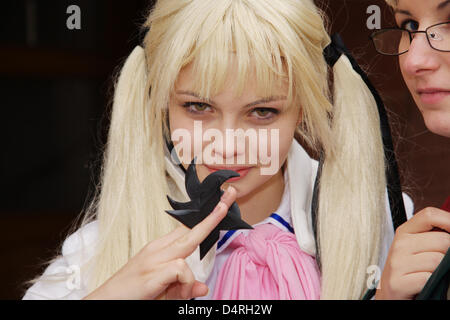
(56, 86)
(56, 89)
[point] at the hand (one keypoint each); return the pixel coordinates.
(159, 270)
(418, 247)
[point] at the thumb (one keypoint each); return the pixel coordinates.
(199, 289)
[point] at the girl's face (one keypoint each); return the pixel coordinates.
(248, 113)
(426, 71)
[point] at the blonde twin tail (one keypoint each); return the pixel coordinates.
(133, 164)
(352, 188)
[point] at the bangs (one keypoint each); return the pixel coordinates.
(252, 51)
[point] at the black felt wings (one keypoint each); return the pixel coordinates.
(204, 197)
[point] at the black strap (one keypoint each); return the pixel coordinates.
(315, 207)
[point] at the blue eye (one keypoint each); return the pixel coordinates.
(410, 25)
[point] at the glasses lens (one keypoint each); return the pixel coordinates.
(439, 36)
(391, 41)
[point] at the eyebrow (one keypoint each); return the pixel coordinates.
(439, 7)
(402, 12)
(443, 4)
(264, 100)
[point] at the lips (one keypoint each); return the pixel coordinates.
(241, 170)
(433, 95)
(227, 168)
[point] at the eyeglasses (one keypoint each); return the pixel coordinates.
(396, 41)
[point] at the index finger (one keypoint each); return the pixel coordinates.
(186, 244)
(426, 220)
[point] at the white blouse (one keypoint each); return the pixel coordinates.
(293, 215)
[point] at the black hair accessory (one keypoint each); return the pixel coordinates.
(204, 197)
(332, 53)
(170, 147)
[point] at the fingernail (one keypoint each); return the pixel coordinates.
(226, 193)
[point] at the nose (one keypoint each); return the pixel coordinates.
(231, 147)
(420, 58)
(233, 144)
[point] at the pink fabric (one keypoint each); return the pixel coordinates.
(267, 264)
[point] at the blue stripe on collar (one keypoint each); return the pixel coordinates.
(225, 237)
(282, 221)
(274, 216)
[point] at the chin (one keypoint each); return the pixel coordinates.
(438, 122)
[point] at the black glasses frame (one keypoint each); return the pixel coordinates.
(375, 33)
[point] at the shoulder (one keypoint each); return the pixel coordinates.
(81, 240)
(65, 276)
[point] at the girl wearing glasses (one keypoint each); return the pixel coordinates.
(422, 42)
(234, 65)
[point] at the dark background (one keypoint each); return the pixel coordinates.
(56, 87)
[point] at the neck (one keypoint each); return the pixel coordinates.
(263, 201)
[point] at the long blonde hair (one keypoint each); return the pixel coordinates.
(283, 39)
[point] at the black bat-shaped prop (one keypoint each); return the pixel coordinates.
(204, 198)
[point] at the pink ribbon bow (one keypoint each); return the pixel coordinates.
(267, 264)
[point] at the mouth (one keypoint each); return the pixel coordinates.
(241, 170)
(433, 95)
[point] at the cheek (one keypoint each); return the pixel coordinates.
(277, 151)
(176, 119)
(286, 130)
(408, 78)
(446, 66)
(270, 146)
(402, 62)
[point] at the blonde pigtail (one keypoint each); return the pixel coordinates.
(134, 167)
(352, 188)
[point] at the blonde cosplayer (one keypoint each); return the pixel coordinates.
(282, 38)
